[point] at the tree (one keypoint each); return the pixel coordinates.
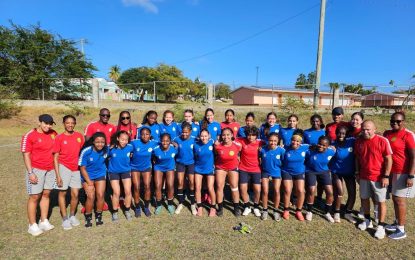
(304, 82)
(359, 89)
(301, 81)
(30, 57)
(115, 72)
(222, 90)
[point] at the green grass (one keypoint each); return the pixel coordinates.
(182, 236)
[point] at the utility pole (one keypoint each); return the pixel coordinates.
(319, 54)
(82, 41)
(257, 69)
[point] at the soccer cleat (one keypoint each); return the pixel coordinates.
(193, 209)
(179, 209)
(329, 218)
(34, 230)
(247, 211)
(365, 224)
(128, 215)
(158, 210)
(237, 211)
(74, 221)
(98, 219)
(380, 232)
(336, 217)
(137, 212)
(257, 212)
(350, 218)
(212, 212)
(171, 209)
(45, 225)
(299, 216)
(286, 215)
(309, 215)
(264, 215)
(199, 212)
(114, 217)
(147, 212)
(66, 224)
(398, 234)
(88, 221)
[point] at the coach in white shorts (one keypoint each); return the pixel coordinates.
(36, 147)
(373, 167)
(403, 170)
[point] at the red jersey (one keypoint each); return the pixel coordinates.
(401, 142)
(40, 146)
(355, 132)
(107, 129)
(227, 156)
(250, 155)
(370, 154)
(233, 125)
(331, 129)
(130, 129)
(68, 147)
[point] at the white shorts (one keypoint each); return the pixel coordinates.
(399, 188)
(46, 180)
(69, 178)
(373, 189)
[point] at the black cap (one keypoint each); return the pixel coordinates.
(337, 111)
(48, 119)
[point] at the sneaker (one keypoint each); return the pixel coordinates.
(199, 212)
(392, 227)
(247, 211)
(158, 210)
(329, 218)
(45, 225)
(147, 212)
(264, 215)
(34, 230)
(380, 232)
(219, 213)
(237, 212)
(365, 225)
(286, 215)
(212, 212)
(350, 218)
(309, 215)
(277, 216)
(98, 219)
(179, 209)
(137, 212)
(398, 234)
(337, 217)
(88, 221)
(194, 209)
(299, 216)
(66, 224)
(171, 209)
(74, 221)
(257, 212)
(114, 217)
(128, 215)
(105, 207)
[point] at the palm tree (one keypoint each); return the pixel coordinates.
(115, 72)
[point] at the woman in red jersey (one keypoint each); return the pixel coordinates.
(356, 124)
(230, 122)
(125, 124)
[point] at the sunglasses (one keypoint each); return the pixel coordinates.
(125, 117)
(105, 115)
(396, 121)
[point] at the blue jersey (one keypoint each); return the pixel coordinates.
(154, 131)
(195, 130)
(214, 129)
(311, 135)
(293, 162)
(142, 152)
(164, 160)
(119, 159)
(343, 162)
(241, 132)
(172, 129)
(94, 162)
(319, 162)
(273, 129)
(271, 160)
(286, 134)
(204, 157)
(185, 150)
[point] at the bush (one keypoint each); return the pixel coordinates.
(8, 103)
(292, 104)
(76, 109)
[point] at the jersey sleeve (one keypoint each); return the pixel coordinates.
(57, 145)
(89, 130)
(387, 150)
(410, 141)
(83, 158)
(27, 143)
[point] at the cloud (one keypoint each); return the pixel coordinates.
(147, 5)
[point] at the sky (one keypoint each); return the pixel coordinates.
(234, 41)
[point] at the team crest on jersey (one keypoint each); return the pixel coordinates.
(315, 157)
(159, 157)
(288, 155)
(52, 136)
(65, 142)
(110, 130)
(91, 159)
(277, 131)
(278, 156)
(174, 129)
(172, 155)
(210, 148)
(78, 139)
(180, 145)
(235, 128)
(350, 149)
(138, 149)
(393, 139)
(303, 154)
(128, 154)
(194, 129)
(157, 131)
(150, 150)
(231, 153)
(114, 155)
(215, 129)
(39, 140)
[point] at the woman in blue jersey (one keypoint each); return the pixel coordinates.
(342, 167)
(119, 170)
(293, 174)
(208, 122)
(249, 122)
(150, 122)
(317, 162)
(141, 167)
(169, 125)
(93, 171)
(271, 157)
(164, 164)
(312, 134)
(185, 165)
(204, 167)
(270, 126)
(287, 132)
(188, 117)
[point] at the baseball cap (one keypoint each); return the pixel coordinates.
(48, 119)
(337, 111)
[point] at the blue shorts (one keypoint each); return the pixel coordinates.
(245, 177)
(187, 169)
(119, 176)
(324, 178)
(288, 176)
(149, 169)
(102, 178)
(266, 175)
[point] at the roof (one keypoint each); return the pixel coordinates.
(387, 94)
(289, 90)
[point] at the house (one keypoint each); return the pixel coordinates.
(250, 95)
(387, 100)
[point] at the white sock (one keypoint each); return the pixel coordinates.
(401, 228)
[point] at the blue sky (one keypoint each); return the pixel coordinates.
(367, 41)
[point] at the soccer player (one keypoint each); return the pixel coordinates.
(312, 134)
(150, 122)
(208, 122)
(337, 114)
(190, 118)
(270, 126)
(287, 132)
(102, 125)
(249, 122)
(169, 125)
(356, 124)
(125, 124)
(230, 122)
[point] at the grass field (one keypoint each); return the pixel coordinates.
(182, 236)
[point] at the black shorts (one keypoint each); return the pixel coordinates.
(266, 175)
(342, 177)
(119, 176)
(288, 176)
(102, 178)
(187, 169)
(323, 178)
(149, 169)
(245, 177)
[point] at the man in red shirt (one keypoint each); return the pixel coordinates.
(373, 167)
(37, 147)
(101, 125)
(403, 171)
